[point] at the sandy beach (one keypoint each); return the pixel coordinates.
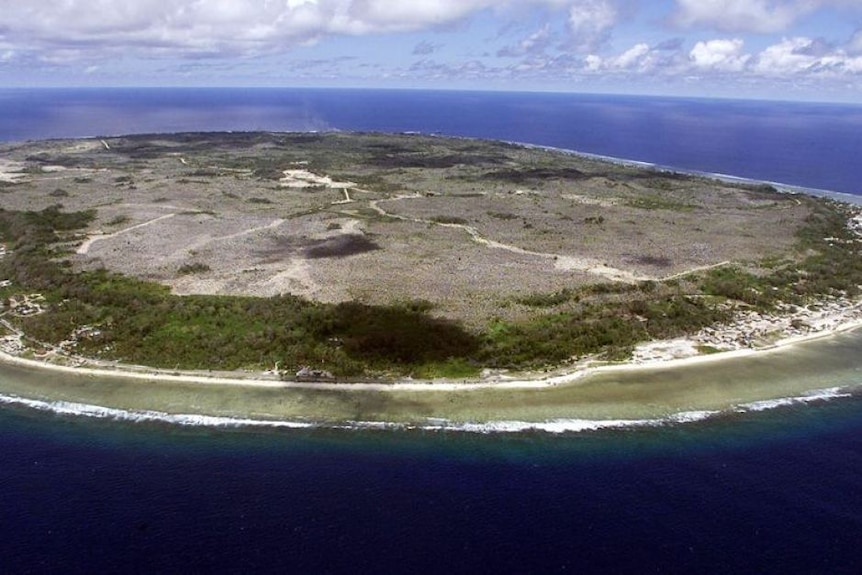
(650, 355)
(816, 368)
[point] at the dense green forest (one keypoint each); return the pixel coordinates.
(143, 323)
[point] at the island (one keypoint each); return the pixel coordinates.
(333, 262)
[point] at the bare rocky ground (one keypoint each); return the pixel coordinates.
(468, 225)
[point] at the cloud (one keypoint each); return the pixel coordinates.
(247, 27)
(716, 65)
(722, 54)
(763, 16)
(786, 58)
(375, 16)
(790, 58)
(535, 43)
(590, 22)
(190, 27)
(588, 26)
(760, 16)
(638, 59)
(632, 58)
(549, 41)
(806, 56)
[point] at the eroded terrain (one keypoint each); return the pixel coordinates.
(470, 226)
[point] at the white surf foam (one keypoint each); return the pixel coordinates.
(552, 426)
(809, 397)
(115, 414)
(569, 425)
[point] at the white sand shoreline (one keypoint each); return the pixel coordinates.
(502, 382)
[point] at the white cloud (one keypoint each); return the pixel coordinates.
(790, 56)
(593, 63)
(839, 64)
(372, 16)
(722, 54)
(742, 15)
(588, 26)
(800, 55)
(535, 43)
(639, 59)
(188, 27)
(631, 58)
(761, 16)
(559, 39)
(218, 26)
(590, 21)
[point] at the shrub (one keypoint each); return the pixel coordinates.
(452, 220)
(195, 268)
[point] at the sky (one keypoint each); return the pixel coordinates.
(775, 49)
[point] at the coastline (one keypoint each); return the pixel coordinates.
(794, 370)
(535, 380)
(749, 335)
(782, 187)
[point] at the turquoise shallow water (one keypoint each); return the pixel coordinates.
(827, 368)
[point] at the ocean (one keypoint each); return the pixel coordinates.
(802, 144)
(762, 490)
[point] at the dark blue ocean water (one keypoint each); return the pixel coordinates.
(802, 144)
(770, 492)
(773, 493)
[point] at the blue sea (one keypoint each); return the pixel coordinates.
(772, 491)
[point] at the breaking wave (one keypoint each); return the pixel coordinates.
(809, 397)
(144, 416)
(552, 426)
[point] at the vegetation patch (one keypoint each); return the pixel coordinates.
(194, 268)
(118, 220)
(548, 299)
(655, 202)
(450, 220)
(416, 161)
(528, 175)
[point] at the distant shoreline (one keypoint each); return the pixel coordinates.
(724, 178)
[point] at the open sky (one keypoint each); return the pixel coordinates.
(783, 49)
